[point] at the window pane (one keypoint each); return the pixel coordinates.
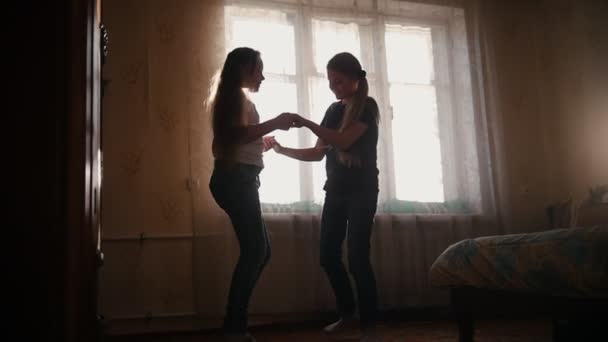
(252, 27)
(278, 53)
(280, 179)
(409, 54)
(331, 38)
(321, 97)
(281, 176)
(416, 146)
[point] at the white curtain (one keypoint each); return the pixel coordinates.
(433, 142)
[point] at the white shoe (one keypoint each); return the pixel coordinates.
(238, 337)
(340, 325)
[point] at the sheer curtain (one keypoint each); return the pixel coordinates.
(252, 27)
(413, 98)
(290, 185)
(418, 71)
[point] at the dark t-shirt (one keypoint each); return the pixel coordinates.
(363, 174)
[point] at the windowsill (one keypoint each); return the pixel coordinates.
(305, 214)
(389, 207)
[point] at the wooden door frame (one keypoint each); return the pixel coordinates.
(53, 131)
(83, 174)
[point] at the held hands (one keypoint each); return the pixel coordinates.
(298, 121)
(276, 146)
(269, 142)
(287, 120)
(283, 121)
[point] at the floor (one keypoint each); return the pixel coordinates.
(534, 330)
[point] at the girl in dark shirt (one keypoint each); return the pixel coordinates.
(347, 137)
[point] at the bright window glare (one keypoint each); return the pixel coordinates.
(331, 38)
(410, 67)
(280, 177)
(409, 54)
(416, 144)
(417, 153)
(278, 52)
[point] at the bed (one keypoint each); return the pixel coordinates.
(561, 274)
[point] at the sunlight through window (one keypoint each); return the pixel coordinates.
(405, 75)
(281, 177)
(417, 150)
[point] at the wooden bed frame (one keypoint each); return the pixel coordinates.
(573, 319)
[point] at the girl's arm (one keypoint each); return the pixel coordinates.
(304, 154)
(250, 133)
(342, 140)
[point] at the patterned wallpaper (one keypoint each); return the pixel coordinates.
(156, 133)
(157, 162)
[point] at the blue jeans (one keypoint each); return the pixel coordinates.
(235, 189)
(355, 212)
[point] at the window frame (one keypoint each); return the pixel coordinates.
(372, 27)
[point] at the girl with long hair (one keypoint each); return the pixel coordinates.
(238, 143)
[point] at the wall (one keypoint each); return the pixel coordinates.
(574, 51)
(551, 85)
(156, 156)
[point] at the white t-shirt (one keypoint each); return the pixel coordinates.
(251, 153)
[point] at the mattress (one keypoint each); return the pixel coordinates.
(563, 262)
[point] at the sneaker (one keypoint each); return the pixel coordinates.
(238, 337)
(341, 325)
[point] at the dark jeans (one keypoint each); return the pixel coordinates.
(235, 189)
(354, 212)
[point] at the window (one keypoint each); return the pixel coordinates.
(408, 63)
(413, 99)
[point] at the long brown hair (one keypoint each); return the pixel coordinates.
(227, 100)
